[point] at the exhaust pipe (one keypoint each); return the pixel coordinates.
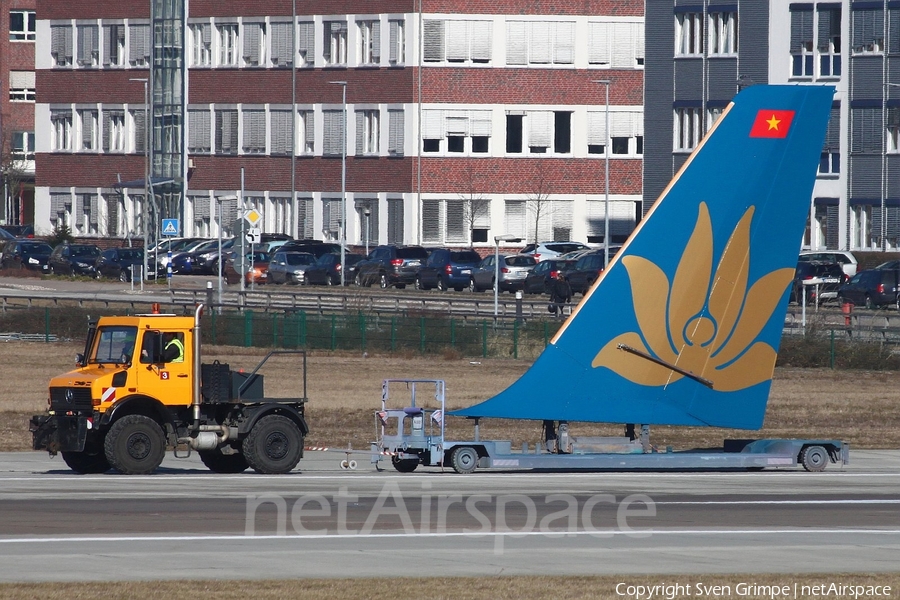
(195, 358)
(208, 437)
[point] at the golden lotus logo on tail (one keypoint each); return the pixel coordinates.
(703, 324)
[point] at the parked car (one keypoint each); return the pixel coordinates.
(25, 254)
(205, 260)
(5, 236)
(511, 272)
(539, 280)
(162, 248)
(327, 270)
(445, 269)
(119, 263)
(257, 271)
(872, 288)
(391, 266)
(586, 269)
(290, 267)
(848, 262)
(315, 248)
(829, 277)
(545, 250)
(73, 259)
(184, 260)
(20, 231)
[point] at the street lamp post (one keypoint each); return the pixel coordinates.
(343, 85)
(367, 212)
(606, 145)
(219, 200)
(144, 216)
(497, 239)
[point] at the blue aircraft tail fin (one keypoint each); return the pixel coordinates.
(684, 326)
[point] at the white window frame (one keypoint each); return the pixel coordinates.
(877, 45)
(560, 42)
(306, 138)
(61, 131)
(368, 42)
(199, 51)
(396, 41)
(688, 34)
(893, 139)
(21, 93)
(688, 127)
(28, 33)
(462, 33)
(336, 39)
(88, 117)
(262, 44)
(22, 145)
(861, 227)
(82, 59)
(118, 140)
(371, 131)
(229, 47)
(722, 33)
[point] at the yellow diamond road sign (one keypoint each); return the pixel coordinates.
(252, 216)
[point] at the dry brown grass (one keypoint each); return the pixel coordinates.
(440, 588)
(345, 389)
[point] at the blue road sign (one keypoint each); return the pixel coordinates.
(170, 227)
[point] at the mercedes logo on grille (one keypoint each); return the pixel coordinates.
(70, 396)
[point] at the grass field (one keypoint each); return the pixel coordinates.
(344, 391)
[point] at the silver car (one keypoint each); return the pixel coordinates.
(290, 267)
(512, 272)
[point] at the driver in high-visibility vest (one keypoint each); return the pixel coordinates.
(173, 349)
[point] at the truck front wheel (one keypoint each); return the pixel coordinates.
(274, 445)
(135, 445)
(217, 462)
(464, 459)
(84, 463)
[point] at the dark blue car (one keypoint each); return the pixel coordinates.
(447, 269)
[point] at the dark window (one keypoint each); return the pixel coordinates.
(479, 235)
(456, 143)
(479, 144)
(514, 133)
(620, 145)
(562, 132)
(431, 145)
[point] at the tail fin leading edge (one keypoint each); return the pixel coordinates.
(684, 326)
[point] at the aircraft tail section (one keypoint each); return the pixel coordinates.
(683, 328)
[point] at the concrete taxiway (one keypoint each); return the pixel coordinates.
(321, 521)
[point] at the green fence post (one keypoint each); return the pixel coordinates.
(484, 330)
(832, 349)
(333, 332)
(421, 335)
(46, 324)
(515, 339)
(248, 328)
(393, 334)
(274, 330)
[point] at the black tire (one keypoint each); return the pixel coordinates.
(868, 302)
(135, 445)
(405, 465)
(473, 287)
(330, 281)
(217, 462)
(814, 458)
(85, 463)
(441, 284)
(464, 459)
(419, 283)
(274, 445)
(123, 276)
(360, 280)
(383, 282)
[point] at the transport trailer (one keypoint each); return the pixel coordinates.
(413, 435)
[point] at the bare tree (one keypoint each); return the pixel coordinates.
(475, 206)
(12, 167)
(539, 204)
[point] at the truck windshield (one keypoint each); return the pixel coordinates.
(114, 345)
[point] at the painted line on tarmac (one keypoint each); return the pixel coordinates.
(637, 533)
(743, 502)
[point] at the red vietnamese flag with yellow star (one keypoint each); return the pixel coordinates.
(772, 123)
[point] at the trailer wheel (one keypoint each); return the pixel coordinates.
(405, 465)
(814, 458)
(85, 463)
(464, 459)
(135, 445)
(217, 462)
(274, 445)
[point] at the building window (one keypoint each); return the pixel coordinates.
(139, 45)
(22, 26)
(87, 120)
(443, 221)
(626, 132)
(281, 127)
(227, 38)
(282, 44)
(61, 45)
(335, 45)
(540, 43)
(617, 45)
(88, 46)
(254, 131)
(868, 31)
(306, 43)
(199, 132)
(688, 126)
(861, 227)
(722, 32)
(866, 128)
(200, 44)
(829, 42)
(395, 132)
(22, 145)
(226, 131)
(545, 132)
(457, 41)
(688, 34)
(830, 159)
(456, 131)
(306, 132)
(333, 124)
(113, 45)
(367, 132)
(397, 54)
(255, 44)
(331, 219)
(21, 86)
(712, 115)
(369, 42)
(114, 139)
(61, 130)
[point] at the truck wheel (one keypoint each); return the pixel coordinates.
(405, 465)
(274, 445)
(135, 445)
(814, 458)
(85, 463)
(217, 462)
(464, 459)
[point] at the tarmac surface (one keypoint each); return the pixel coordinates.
(321, 521)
